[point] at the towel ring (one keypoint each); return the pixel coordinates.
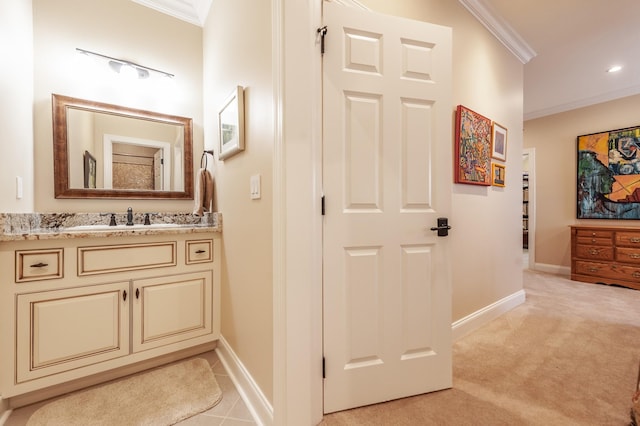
(205, 158)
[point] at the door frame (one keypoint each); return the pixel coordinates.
(297, 223)
(531, 153)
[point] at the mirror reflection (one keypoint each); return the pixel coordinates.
(105, 150)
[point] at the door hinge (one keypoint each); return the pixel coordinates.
(323, 32)
(324, 375)
(322, 205)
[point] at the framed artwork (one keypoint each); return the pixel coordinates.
(608, 174)
(89, 170)
(472, 148)
(498, 142)
(497, 174)
(231, 124)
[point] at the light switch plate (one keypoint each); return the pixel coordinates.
(254, 187)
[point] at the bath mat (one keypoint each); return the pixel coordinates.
(162, 396)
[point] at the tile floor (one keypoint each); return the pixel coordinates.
(230, 411)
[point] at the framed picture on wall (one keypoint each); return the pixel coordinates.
(231, 124)
(497, 174)
(89, 170)
(498, 142)
(472, 148)
(608, 174)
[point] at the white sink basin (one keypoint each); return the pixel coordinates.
(138, 226)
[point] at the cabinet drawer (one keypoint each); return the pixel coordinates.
(593, 268)
(624, 272)
(628, 239)
(199, 251)
(594, 241)
(34, 265)
(628, 255)
(594, 233)
(594, 252)
(125, 257)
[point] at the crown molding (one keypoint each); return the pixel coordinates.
(582, 103)
(500, 29)
(192, 11)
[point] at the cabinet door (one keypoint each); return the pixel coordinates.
(171, 309)
(66, 329)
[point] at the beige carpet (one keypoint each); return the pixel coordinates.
(163, 396)
(568, 356)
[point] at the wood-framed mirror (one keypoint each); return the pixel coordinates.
(109, 151)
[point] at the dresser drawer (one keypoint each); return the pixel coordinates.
(594, 241)
(628, 255)
(624, 273)
(592, 268)
(628, 239)
(594, 233)
(199, 251)
(594, 252)
(125, 257)
(35, 265)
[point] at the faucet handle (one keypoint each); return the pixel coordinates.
(112, 221)
(147, 220)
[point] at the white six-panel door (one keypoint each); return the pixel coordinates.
(386, 178)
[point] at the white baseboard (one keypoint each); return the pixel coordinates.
(4, 411)
(257, 403)
(477, 319)
(552, 269)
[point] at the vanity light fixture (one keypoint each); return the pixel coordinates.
(614, 68)
(123, 67)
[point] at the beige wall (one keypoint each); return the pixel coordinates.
(554, 140)
(16, 95)
(487, 221)
(122, 29)
(237, 51)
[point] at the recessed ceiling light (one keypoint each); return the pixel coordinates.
(614, 68)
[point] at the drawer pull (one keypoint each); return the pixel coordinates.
(594, 252)
(593, 269)
(634, 255)
(200, 251)
(124, 295)
(39, 265)
(636, 275)
(634, 240)
(137, 293)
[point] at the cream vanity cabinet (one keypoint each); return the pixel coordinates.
(77, 307)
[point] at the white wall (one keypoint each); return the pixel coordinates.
(16, 105)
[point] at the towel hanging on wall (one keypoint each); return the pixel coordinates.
(203, 196)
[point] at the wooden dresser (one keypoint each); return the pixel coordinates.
(606, 254)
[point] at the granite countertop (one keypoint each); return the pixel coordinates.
(47, 226)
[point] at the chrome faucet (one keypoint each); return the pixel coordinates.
(129, 216)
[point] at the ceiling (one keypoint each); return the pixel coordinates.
(566, 46)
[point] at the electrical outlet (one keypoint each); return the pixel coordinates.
(254, 187)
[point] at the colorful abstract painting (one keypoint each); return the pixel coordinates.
(473, 148)
(608, 175)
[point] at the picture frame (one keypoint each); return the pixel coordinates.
(231, 124)
(498, 142)
(90, 166)
(608, 174)
(472, 148)
(498, 174)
